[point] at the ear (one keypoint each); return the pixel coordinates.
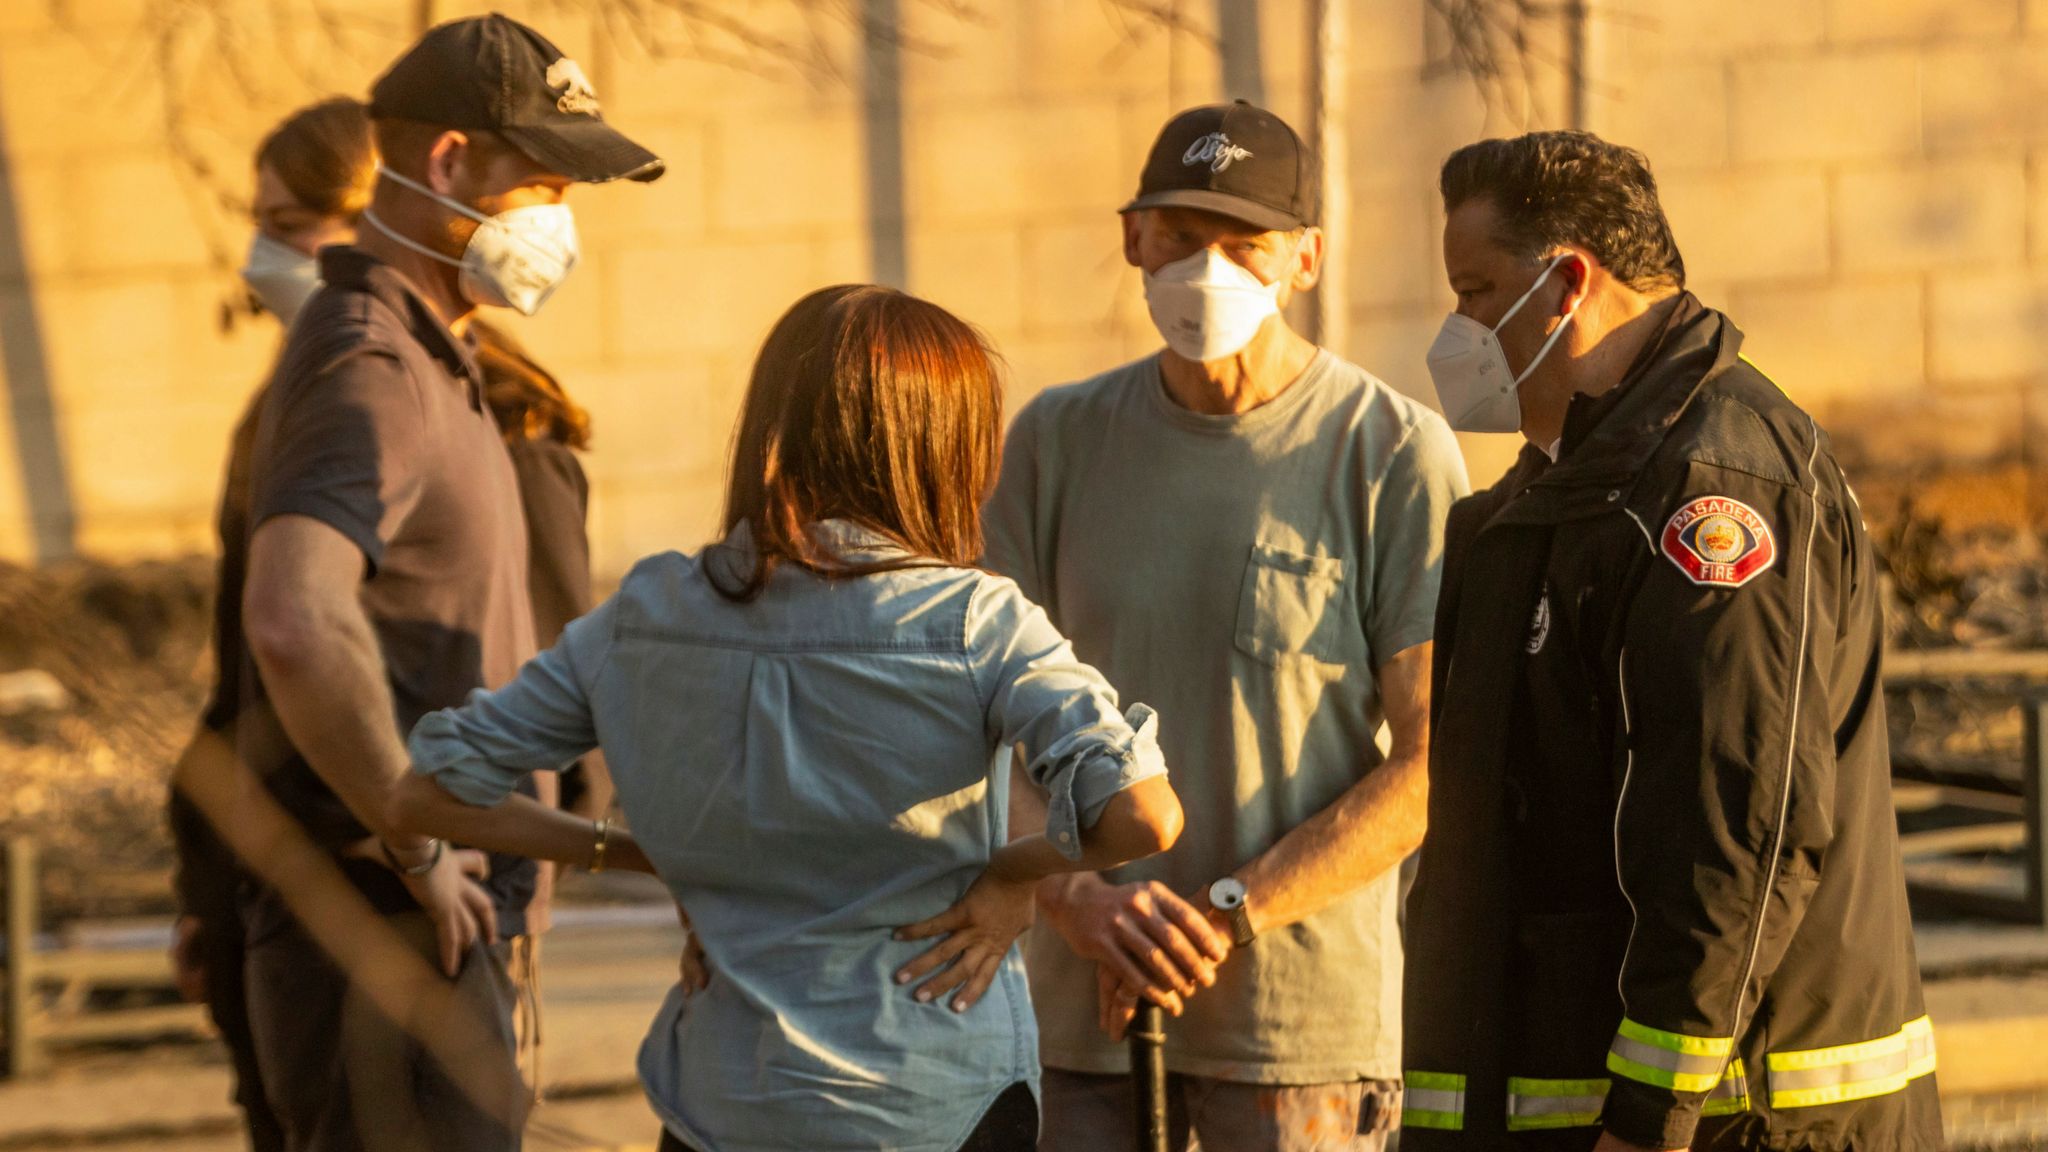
(1308, 259)
(444, 161)
(1577, 271)
(1133, 225)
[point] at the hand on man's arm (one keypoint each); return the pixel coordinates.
(325, 676)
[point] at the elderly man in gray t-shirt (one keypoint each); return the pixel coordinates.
(1245, 531)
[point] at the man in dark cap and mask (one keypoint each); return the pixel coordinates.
(387, 579)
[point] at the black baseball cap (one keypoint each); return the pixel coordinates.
(495, 74)
(1235, 159)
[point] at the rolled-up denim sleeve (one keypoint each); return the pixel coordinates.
(1080, 747)
(541, 721)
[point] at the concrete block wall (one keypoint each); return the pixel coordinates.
(1863, 183)
(1859, 184)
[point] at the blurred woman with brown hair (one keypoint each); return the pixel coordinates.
(802, 722)
(544, 430)
(314, 173)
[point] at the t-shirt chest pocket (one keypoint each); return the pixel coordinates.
(1291, 605)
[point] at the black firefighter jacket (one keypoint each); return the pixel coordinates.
(1661, 891)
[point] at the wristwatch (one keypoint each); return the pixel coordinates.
(1227, 896)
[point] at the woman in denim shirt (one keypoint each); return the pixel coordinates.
(802, 722)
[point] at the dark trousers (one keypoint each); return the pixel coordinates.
(1010, 1125)
(221, 955)
(343, 1077)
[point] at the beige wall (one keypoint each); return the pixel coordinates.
(1860, 181)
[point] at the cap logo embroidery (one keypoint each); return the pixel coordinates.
(1719, 543)
(576, 93)
(1216, 151)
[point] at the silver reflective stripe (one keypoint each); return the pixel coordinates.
(1731, 1096)
(1733, 1083)
(1679, 1063)
(1434, 1100)
(1552, 1105)
(1919, 1049)
(1827, 1076)
(1852, 1071)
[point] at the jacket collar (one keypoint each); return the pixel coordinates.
(1610, 438)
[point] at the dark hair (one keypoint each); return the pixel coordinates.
(872, 406)
(527, 400)
(324, 155)
(1551, 189)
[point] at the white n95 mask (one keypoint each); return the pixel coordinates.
(281, 277)
(515, 259)
(1471, 373)
(1207, 306)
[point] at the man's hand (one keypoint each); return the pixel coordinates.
(1145, 934)
(1609, 1142)
(188, 971)
(978, 932)
(460, 906)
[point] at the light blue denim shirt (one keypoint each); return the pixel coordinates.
(808, 772)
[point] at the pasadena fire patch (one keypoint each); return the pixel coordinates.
(1719, 543)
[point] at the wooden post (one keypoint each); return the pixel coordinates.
(2034, 807)
(1329, 119)
(24, 1055)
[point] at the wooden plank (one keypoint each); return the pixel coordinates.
(1991, 777)
(125, 1024)
(2003, 836)
(138, 968)
(25, 1057)
(1908, 666)
(1912, 797)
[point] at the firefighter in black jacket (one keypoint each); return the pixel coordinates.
(1660, 904)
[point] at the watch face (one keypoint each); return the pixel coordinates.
(1226, 894)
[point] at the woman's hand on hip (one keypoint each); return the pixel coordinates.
(978, 932)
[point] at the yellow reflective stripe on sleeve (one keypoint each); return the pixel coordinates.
(1433, 1100)
(1668, 1059)
(1535, 1104)
(1731, 1096)
(1852, 1071)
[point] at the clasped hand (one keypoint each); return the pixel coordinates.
(1147, 942)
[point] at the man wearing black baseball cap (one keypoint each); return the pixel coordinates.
(387, 579)
(1265, 571)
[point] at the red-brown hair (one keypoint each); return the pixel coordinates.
(871, 406)
(529, 403)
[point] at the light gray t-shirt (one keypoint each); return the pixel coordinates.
(1244, 575)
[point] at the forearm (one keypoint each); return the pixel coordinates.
(1033, 858)
(517, 825)
(1371, 828)
(333, 698)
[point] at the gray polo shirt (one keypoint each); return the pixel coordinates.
(1246, 575)
(375, 425)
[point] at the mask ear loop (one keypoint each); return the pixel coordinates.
(1555, 334)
